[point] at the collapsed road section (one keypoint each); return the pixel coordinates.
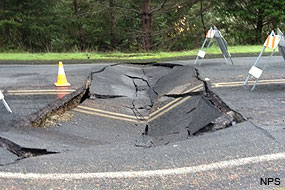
(189, 111)
(171, 101)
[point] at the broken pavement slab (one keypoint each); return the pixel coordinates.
(12, 152)
(190, 113)
(182, 121)
(127, 90)
(135, 92)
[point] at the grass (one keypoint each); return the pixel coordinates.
(118, 56)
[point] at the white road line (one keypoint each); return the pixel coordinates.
(148, 173)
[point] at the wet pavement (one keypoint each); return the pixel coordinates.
(129, 107)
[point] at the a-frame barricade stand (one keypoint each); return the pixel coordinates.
(272, 42)
(214, 33)
(281, 45)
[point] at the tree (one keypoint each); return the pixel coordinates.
(79, 25)
(27, 24)
(250, 19)
(100, 25)
(167, 11)
(146, 25)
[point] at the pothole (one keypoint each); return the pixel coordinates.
(192, 113)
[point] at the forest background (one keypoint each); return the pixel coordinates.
(133, 25)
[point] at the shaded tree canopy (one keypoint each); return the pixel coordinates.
(132, 25)
(251, 19)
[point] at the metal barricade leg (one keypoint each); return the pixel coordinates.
(225, 58)
(231, 61)
(253, 87)
(200, 50)
(246, 80)
(225, 48)
(208, 46)
(259, 56)
(263, 69)
(196, 59)
(6, 106)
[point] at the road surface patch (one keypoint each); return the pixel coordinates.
(227, 164)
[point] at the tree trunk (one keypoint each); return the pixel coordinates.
(259, 27)
(1, 9)
(112, 24)
(79, 26)
(202, 18)
(146, 25)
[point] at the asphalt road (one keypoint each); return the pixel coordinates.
(97, 148)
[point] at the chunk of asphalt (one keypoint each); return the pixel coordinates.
(226, 120)
(22, 152)
(201, 112)
(60, 106)
(177, 81)
(145, 141)
(112, 82)
(182, 121)
(128, 84)
(219, 103)
(204, 114)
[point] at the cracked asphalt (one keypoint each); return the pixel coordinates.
(127, 105)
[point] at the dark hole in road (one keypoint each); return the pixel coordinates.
(101, 96)
(169, 65)
(197, 112)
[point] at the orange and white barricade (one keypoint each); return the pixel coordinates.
(211, 34)
(272, 41)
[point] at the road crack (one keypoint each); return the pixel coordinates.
(265, 132)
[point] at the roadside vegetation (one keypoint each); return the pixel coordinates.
(213, 51)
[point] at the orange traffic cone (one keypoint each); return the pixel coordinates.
(61, 78)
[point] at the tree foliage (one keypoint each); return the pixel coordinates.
(132, 25)
(248, 21)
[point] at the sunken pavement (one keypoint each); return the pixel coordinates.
(158, 104)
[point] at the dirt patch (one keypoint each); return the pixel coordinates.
(57, 120)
